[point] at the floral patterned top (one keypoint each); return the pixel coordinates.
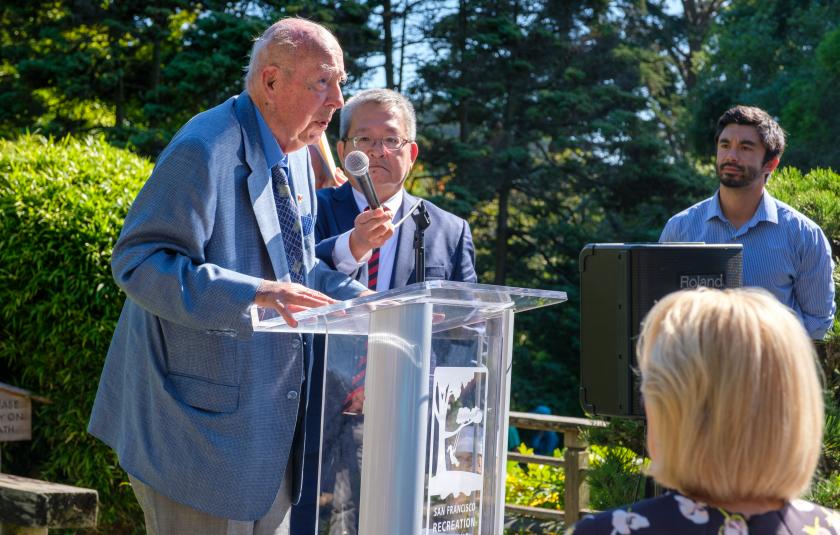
(673, 513)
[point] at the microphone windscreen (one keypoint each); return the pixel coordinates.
(356, 163)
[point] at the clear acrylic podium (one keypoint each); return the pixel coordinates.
(415, 406)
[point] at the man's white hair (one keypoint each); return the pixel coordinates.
(282, 42)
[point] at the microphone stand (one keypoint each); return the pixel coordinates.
(422, 222)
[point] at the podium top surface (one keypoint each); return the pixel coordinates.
(455, 303)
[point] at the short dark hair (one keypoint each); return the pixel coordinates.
(771, 134)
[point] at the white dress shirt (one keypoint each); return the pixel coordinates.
(346, 263)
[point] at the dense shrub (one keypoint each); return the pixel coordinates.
(615, 476)
(816, 194)
(62, 205)
(535, 485)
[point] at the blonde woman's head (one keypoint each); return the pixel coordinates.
(732, 396)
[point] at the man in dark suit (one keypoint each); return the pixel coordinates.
(381, 123)
(206, 415)
(364, 243)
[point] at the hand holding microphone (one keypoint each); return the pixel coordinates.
(374, 227)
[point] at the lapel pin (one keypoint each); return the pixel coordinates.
(300, 198)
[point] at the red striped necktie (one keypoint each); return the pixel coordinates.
(373, 269)
(373, 266)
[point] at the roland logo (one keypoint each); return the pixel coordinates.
(695, 281)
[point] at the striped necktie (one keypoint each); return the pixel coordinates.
(373, 269)
(289, 218)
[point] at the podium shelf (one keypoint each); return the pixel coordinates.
(454, 303)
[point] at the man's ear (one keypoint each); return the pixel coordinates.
(415, 150)
(769, 167)
(269, 77)
(339, 149)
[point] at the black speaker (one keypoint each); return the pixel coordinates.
(619, 284)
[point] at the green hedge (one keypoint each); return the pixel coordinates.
(62, 204)
(816, 194)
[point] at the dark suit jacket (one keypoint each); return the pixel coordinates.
(449, 248)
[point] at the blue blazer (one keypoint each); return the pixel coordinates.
(197, 405)
(450, 254)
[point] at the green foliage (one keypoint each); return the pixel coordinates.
(816, 194)
(830, 462)
(61, 209)
(826, 491)
(620, 432)
(617, 453)
(535, 485)
(812, 99)
(778, 55)
(614, 476)
(138, 70)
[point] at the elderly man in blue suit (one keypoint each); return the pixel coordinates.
(206, 415)
(364, 243)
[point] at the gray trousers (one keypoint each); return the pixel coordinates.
(167, 517)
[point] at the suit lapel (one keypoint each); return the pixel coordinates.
(404, 255)
(259, 185)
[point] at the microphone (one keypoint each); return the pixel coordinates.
(356, 163)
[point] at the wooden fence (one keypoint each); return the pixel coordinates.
(575, 462)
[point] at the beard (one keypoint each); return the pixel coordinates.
(748, 175)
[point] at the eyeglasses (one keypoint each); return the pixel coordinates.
(392, 143)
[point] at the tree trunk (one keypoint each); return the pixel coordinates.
(156, 59)
(502, 235)
(388, 43)
(119, 97)
(404, 21)
(463, 105)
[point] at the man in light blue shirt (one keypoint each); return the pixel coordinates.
(784, 252)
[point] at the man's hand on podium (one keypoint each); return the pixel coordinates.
(288, 298)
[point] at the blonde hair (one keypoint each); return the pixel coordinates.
(733, 396)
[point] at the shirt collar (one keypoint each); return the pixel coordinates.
(713, 210)
(273, 153)
(766, 211)
(392, 204)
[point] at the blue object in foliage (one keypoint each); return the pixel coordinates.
(544, 442)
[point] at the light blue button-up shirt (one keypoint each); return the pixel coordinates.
(784, 252)
(273, 153)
